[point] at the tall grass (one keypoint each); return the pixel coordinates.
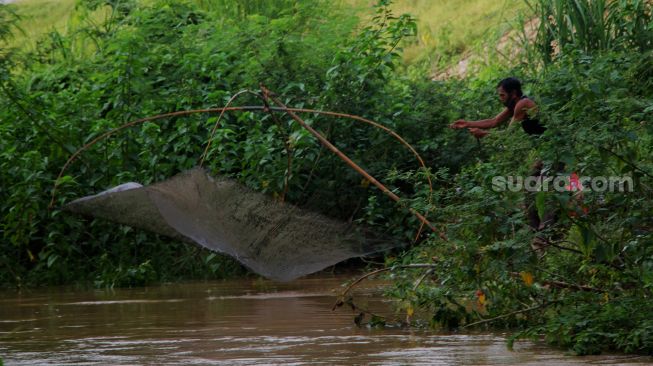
(593, 25)
(243, 8)
(450, 29)
(37, 19)
(8, 21)
(51, 19)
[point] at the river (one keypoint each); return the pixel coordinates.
(238, 322)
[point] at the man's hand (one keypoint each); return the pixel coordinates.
(478, 133)
(461, 123)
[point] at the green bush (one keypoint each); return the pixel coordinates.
(56, 100)
(589, 291)
(597, 109)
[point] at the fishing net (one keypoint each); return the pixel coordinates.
(273, 239)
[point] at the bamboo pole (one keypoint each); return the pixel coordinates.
(268, 94)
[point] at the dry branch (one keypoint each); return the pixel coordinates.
(360, 279)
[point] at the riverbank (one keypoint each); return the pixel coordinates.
(586, 289)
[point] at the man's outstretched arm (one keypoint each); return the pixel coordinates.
(484, 123)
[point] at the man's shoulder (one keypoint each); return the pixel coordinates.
(525, 102)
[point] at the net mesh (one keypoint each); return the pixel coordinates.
(273, 239)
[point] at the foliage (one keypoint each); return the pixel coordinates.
(54, 100)
(591, 324)
(38, 18)
(589, 290)
(8, 21)
(593, 25)
(448, 29)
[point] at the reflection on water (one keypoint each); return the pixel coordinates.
(240, 322)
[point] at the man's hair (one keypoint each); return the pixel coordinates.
(511, 84)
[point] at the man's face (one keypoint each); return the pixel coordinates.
(504, 96)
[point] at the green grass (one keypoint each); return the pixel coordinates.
(448, 29)
(38, 18)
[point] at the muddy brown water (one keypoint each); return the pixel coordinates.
(238, 322)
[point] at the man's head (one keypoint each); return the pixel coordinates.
(509, 90)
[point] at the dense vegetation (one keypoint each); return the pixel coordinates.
(589, 290)
(448, 30)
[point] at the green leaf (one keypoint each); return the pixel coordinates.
(51, 259)
(65, 179)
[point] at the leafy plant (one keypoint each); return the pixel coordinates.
(592, 25)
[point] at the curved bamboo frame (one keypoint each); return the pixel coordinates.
(266, 107)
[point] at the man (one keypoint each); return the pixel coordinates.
(518, 107)
(520, 110)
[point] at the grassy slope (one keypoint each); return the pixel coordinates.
(451, 29)
(448, 29)
(39, 17)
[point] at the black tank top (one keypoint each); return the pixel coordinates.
(530, 125)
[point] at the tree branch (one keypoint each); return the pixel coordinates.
(509, 314)
(632, 165)
(339, 302)
(560, 284)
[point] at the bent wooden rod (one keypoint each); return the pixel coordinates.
(282, 108)
(346, 159)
